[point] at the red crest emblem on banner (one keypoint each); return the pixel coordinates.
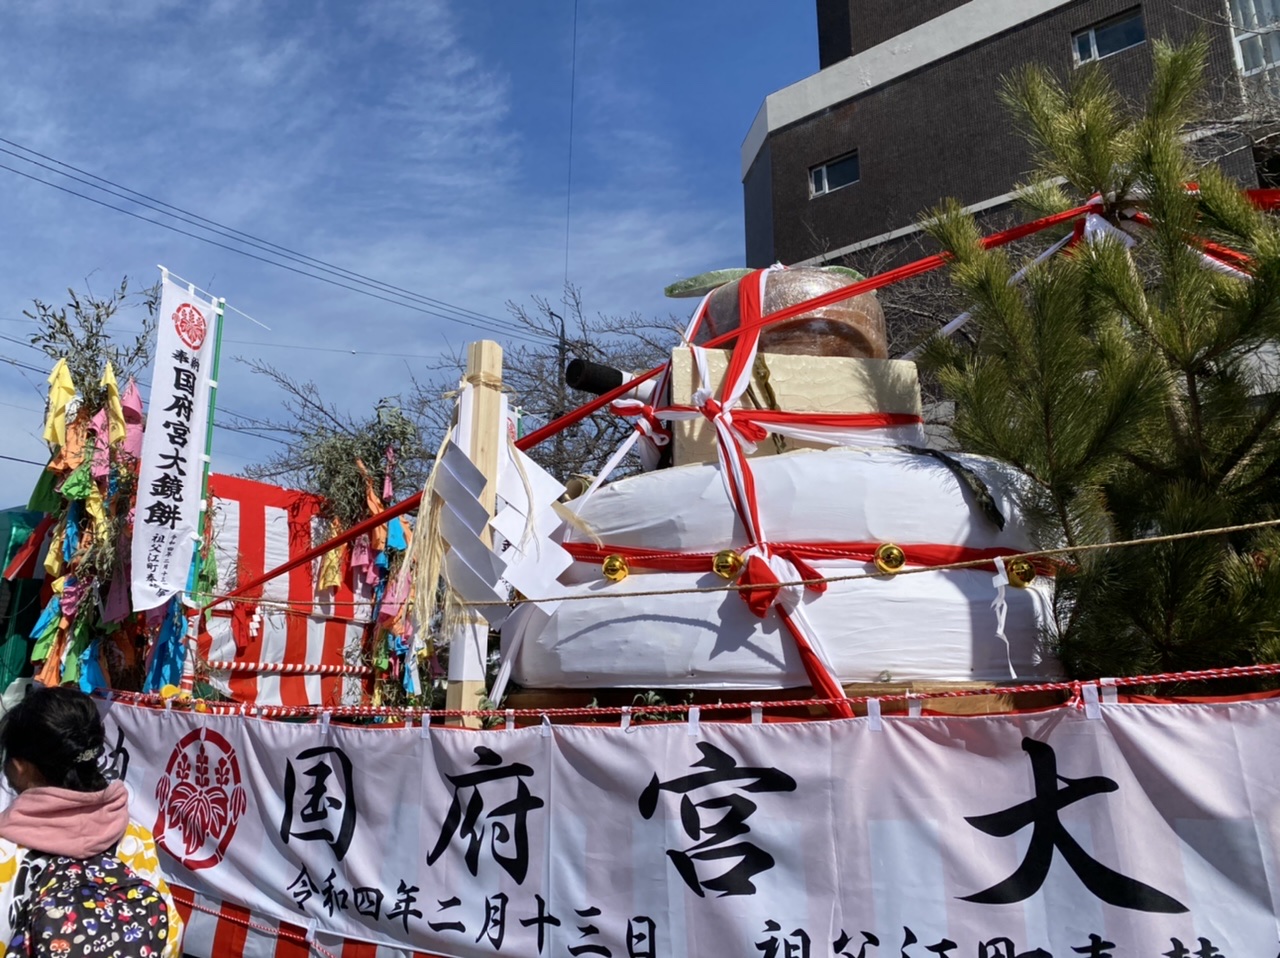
(190, 324)
(201, 799)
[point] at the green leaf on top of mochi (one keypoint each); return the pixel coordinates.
(704, 283)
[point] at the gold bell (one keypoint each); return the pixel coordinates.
(1021, 572)
(615, 568)
(889, 558)
(726, 563)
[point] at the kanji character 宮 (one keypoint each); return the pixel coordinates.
(726, 820)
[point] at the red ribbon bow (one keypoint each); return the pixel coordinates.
(765, 584)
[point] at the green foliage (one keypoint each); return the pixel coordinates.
(1136, 392)
(332, 455)
(78, 332)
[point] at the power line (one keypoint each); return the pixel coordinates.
(30, 462)
(242, 252)
(231, 232)
(330, 349)
(279, 345)
(27, 366)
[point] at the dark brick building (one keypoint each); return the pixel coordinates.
(904, 110)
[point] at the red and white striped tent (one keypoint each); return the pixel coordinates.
(290, 644)
(217, 929)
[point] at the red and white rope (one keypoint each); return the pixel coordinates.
(286, 668)
(417, 714)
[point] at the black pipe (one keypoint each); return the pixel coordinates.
(594, 378)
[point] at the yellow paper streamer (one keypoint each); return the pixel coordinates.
(53, 560)
(115, 411)
(93, 505)
(61, 389)
(331, 565)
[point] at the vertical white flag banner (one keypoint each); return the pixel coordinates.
(167, 512)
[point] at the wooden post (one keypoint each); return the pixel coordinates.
(468, 650)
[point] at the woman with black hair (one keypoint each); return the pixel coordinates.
(76, 875)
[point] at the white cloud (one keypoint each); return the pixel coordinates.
(377, 136)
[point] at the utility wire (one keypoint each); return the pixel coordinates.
(231, 233)
(279, 345)
(324, 279)
(30, 462)
(330, 349)
(27, 366)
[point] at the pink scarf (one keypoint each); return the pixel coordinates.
(59, 821)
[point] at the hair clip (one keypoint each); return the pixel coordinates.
(88, 755)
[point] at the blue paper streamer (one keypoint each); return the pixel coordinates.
(51, 612)
(71, 532)
(395, 536)
(169, 652)
(91, 675)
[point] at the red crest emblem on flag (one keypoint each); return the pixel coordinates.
(190, 324)
(201, 799)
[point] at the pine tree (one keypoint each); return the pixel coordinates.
(1135, 391)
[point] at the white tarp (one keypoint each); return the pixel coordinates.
(170, 473)
(1150, 827)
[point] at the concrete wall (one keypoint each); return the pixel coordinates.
(941, 131)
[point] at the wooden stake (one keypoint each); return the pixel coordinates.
(468, 650)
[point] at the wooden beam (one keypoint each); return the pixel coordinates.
(468, 650)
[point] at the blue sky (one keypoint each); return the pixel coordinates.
(420, 142)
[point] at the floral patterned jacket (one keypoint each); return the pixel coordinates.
(137, 850)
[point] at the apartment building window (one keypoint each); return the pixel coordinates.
(1111, 36)
(1256, 24)
(833, 174)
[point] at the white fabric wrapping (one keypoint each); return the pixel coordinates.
(837, 495)
(935, 626)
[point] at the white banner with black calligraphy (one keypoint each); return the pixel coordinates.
(167, 511)
(1149, 830)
